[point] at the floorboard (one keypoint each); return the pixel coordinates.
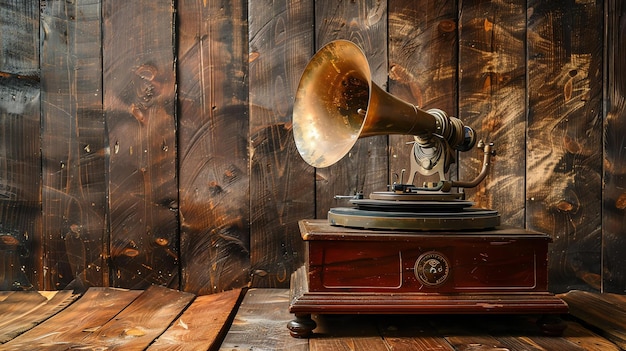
(159, 318)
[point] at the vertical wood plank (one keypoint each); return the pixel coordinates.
(614, 194)
(20, 156)
(139, 96)
(564, 142)
(423, 53)
(365, 168)
(213, 132)
(492, 100)
(19, 37)
(281, 183)
(73, 145)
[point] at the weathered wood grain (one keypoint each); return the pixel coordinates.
(587, 339)
(423, 54)
(261, 323)
(498, 332)
(346, 332)
(161, 318)
(73, 145)
(614, 160)
(19, 38)
(95, 308)
(563, 184)
(603, 313)
(564, 137)
(202, 324)
(405, 332)
(5, 294)
(139, 104)
(492, 100)
(21, 312)
(20, 145)
(213, 145)
(365, 168)
(281, 183)
(137, 325)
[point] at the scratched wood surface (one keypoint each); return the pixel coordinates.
(73, 145)
(139, 103)
(564, 137)
(24, 310)
(213, 146)
(605, 312)
(93, 309)
(492, 100)
(181, 170)
(202, 325)
(119, 319)
(261, 320)
(423, 54)
(281, 183)
(20, 145)
(614, 195)
(159, 318)
(365, 168)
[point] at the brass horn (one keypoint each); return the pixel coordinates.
(336, 103)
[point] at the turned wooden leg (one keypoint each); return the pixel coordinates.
(302, 326)
(551, 325)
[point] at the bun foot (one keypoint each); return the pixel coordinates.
(302, 326)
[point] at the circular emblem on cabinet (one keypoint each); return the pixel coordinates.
(432, 268)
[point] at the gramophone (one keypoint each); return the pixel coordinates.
(407, 249)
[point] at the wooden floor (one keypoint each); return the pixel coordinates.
(164, 319)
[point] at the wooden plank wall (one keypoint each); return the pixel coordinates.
(614, 176)
(150, 142)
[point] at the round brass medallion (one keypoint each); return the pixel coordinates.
(432, 268)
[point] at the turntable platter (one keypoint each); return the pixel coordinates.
(466, 219)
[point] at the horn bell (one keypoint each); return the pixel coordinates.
(337, 103)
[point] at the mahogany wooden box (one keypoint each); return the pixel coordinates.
(347, 270)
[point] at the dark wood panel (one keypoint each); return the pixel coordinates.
(423, 53)
(492, 100)
(614, 194)
(73, 145)
(564, 142)
(281, 183)
(19, 37)
(365, 168)
(20, 155)
(139, 103)
(20, 184)
(213, 146)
